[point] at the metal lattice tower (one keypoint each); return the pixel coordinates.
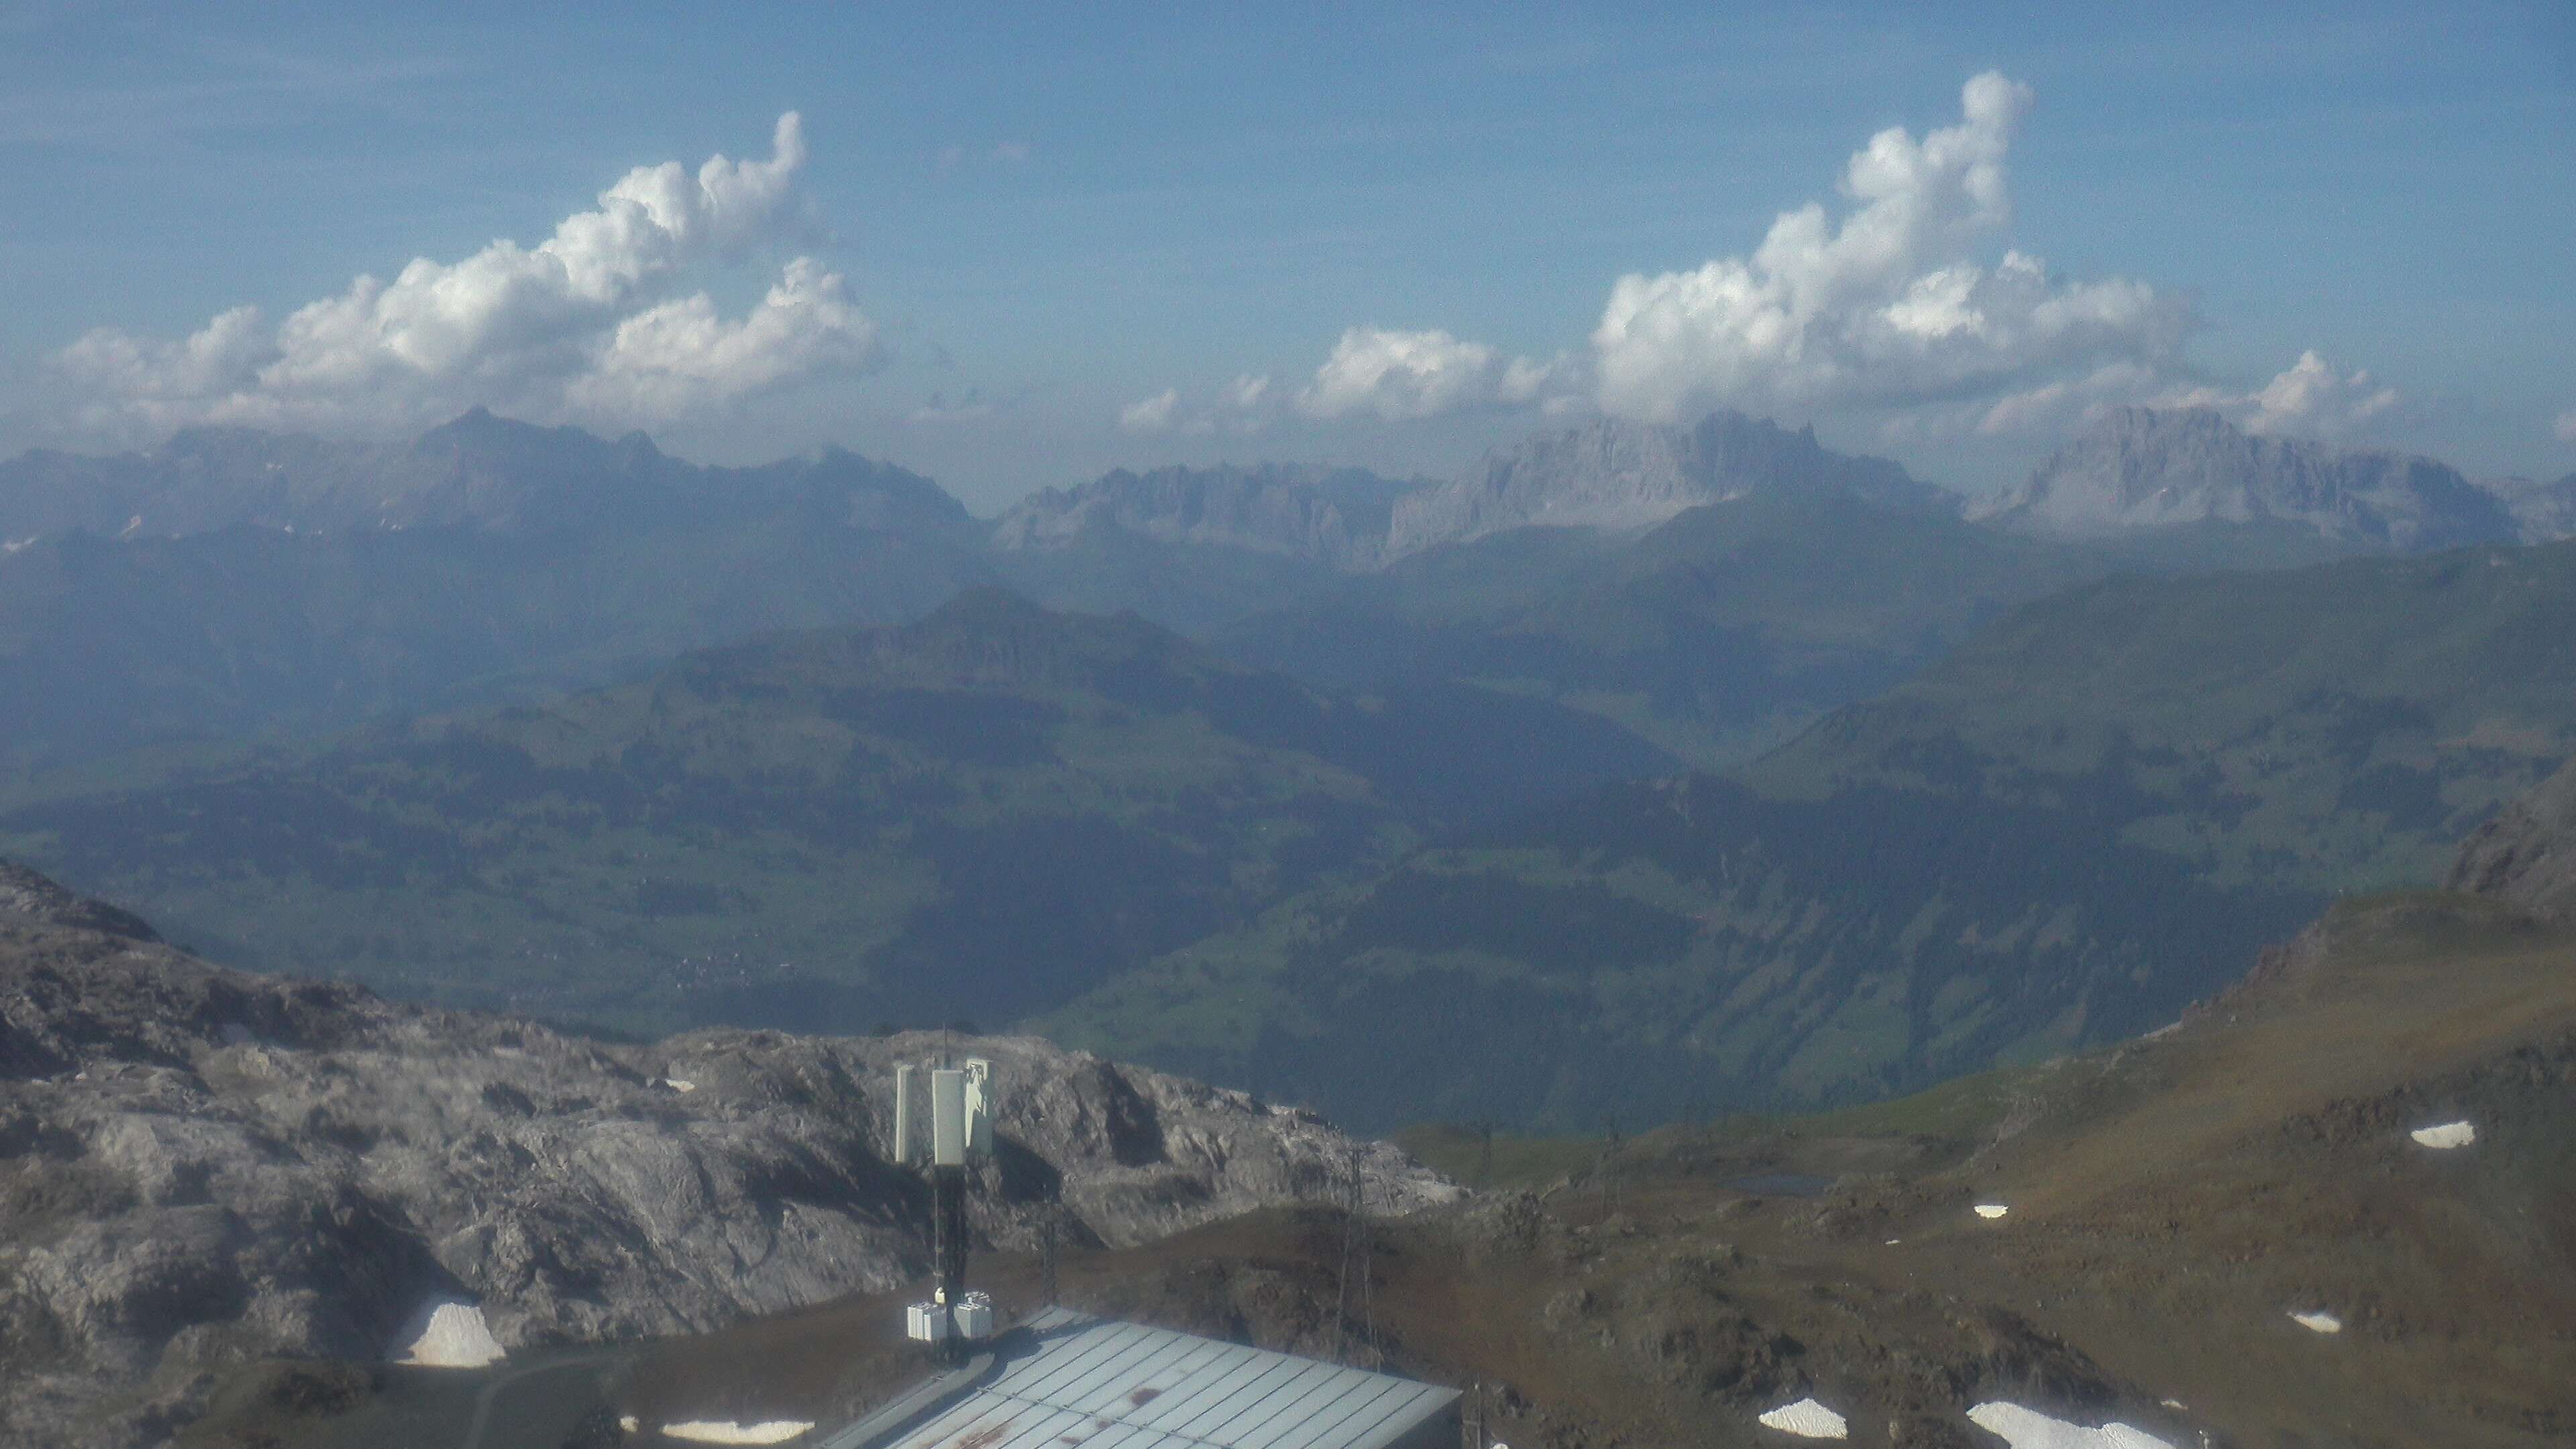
(1047, 1261)
(1358, 1261)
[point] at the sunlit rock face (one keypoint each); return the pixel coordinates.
(2159, 468)
(199, 1167)
(1620, 476)
(1334, 517)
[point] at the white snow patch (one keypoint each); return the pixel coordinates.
(676, 1084)
(2318, 1322)
(1991, 1209)
(2030, 1429)
(628, 1423)
(2448, 1135)
(2175, 1404)
(449, 1334)
(1808, 1420)
(726, 1431)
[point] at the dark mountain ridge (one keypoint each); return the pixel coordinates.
(477, 472)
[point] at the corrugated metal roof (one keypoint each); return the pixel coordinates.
(1085, 1383)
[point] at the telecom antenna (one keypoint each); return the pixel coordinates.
(1358, 1265)
(961, 1126)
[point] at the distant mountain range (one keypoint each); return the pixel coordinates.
(480, 472)
(1338, 517)
(1626, 477)
(816, 765)
(2140, 468)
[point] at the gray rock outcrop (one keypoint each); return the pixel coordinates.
(1335, 517)
(2140, 468)
(2546, 512)
(1622, 477)
(2527, 853)
(200, 1167)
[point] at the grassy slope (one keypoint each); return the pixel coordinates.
(2332, 728)
(2085, 818)
(978, 815)
(1715, 635)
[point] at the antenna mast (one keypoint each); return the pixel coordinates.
(960, 1127)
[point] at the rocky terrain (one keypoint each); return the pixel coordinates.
(2527, 853)
(1626, 477)
(2146, 468)
(200, 1167)
(2332, 1207)
(2546, 511)
(479, 472)
(1335, 517)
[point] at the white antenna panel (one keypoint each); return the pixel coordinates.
(903, 1116)
(979, 1105)
(948, 1118)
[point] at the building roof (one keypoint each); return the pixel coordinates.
(1102, 1384)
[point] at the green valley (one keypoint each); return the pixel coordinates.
(977, 815)
(2089, 815)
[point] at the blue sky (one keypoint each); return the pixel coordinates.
(1016, 248)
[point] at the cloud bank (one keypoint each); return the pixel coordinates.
(584, 325)
(1886, 305)
(1899, 298)
(1372, 372)
(2309, 397)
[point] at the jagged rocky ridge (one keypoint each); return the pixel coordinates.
(1627, 477)
(200, 1167)
(2545, 511)
(2158, 468)
(1332, 516)
(479, 472)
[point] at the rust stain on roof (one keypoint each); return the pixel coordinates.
(986, 1437)
(1141, 1397)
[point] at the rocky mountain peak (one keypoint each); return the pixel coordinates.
(2139, 467)
(1625, 477)
(2546, 511)
(1336, 517)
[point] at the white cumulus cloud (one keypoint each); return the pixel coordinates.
(678, 357)
(1397, 376)
(2565, 426)
(1887, 305)
(584, 323)
(1150, 415)
(2308, 398)
(2311, 397)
